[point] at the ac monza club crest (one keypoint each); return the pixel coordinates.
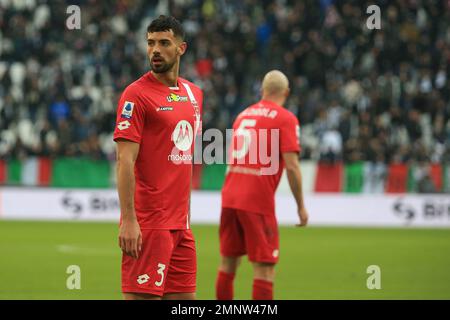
(183, 135)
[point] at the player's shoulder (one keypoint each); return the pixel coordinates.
(135, 88)
(191, 85)
(287, 115)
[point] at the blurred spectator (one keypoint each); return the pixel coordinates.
(423, 180)
(375, 175)
(331, 146)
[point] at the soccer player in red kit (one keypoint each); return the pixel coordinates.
(248, 223)
(157, 119)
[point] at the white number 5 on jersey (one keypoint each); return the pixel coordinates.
(243, 131)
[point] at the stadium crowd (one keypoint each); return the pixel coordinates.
(360, 94)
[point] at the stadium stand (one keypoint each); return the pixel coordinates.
(372, 103)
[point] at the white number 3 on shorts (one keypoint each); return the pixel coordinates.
(161, 272)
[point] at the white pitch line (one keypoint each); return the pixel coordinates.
(71, 249)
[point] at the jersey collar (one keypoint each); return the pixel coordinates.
(153, 78)
(270, 103)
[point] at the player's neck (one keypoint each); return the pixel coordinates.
(169, 78)
(275, 99)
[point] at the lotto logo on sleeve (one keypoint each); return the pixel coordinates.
(124, 125)
(127, 110)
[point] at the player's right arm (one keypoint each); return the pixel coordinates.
(128, 134)
(130, 236)
(290, 149)
(294, 176)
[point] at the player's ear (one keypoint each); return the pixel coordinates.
(288, 91)
(181, 49)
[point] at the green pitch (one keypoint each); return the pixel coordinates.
(315, 263)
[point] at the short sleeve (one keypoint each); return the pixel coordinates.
(290, 134)
(130, 117)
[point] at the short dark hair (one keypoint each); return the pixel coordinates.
(164, 23)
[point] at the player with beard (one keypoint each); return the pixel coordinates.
(158, 117)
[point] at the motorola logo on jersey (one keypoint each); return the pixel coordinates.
(183, 135)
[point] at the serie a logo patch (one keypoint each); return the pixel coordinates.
(127, 110)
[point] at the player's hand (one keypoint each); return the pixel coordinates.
(130, 238)
(303, 215)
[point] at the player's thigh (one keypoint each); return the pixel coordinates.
(182, 273)
(261, 237)
(146, 274)
(180, 296)
(231, 234)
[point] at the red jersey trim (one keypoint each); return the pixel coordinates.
(132, 139)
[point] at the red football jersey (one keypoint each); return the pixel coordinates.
(164, 121)
(261, 133)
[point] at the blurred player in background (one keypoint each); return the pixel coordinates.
(248, 223)
(157, 119)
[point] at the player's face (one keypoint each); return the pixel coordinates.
(163, 50)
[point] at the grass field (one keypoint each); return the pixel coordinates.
(315, 263)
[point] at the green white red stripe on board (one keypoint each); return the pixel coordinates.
(28, 172)
(356, 177)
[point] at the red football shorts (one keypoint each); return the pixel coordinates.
(167, 264)
(254, 234)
